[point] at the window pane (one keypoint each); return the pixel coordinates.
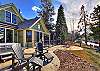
(9, 36)
(28, 36)
(14, 18)
(41, 36)
(8, 16)
(37, 36)
(2, 35)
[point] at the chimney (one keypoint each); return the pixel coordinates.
(19, 10)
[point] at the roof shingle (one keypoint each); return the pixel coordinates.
(28, 23)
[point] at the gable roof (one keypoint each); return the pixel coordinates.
(31, 23)
(11, 5)
(41, 22)
(28, 23)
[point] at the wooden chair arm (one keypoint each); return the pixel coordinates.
(29, 54)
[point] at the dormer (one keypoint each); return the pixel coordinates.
(10, 14)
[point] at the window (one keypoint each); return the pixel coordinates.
(28, 36)
(38, 27)
(8, 16)
(14, 18)
(2, 35)
(41, 36)
(37, 36)
(9, 36)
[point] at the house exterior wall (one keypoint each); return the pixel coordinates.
(20, 36)
(2, 15)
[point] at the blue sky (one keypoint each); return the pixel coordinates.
(26, 6)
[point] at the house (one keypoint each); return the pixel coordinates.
(9, 19)
(32, 31)
(15, 29)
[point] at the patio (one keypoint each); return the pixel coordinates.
(62, 57)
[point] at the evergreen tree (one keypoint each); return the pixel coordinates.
(46, 13)
(61, 27)
(95, 26)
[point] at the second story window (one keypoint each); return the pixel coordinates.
(14, 18)
(8, 16)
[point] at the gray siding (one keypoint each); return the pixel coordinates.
(2, 15)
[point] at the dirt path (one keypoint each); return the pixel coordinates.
(70, 62)
(55, 64)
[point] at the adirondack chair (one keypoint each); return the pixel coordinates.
(43, 52)
(34, 61)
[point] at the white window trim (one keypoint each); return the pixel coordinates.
(5, 16)
(16, 19)
(11, 17)
(5, 35)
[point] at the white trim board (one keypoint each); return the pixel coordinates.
(35, 22)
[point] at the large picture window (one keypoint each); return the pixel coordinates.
(2, 35)
(8, 16)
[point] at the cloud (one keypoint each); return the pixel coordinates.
(72, 10)
(55, 16)
(35, 8)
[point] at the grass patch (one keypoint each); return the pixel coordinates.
(94, 56)
(82, 54)
(88, 54)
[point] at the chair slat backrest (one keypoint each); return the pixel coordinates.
(18, 50)
(39, 46)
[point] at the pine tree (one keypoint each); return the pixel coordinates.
(95, 26)
(46, 13)
(83, 23)
(61, 27)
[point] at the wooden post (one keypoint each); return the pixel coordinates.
(5, 35)
(49, 39)
(13, 36)
(24, 37)
(43, 38)
(33, 41)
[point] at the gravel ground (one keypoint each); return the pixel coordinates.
(70, 62)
